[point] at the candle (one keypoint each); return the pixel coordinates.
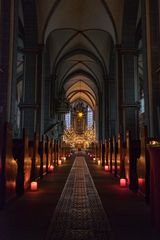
(123, 182)
(33, 186)
(60, 162)
(51, 167)
(94, 159)
(140, 181)
(99, 162)
(106, 167)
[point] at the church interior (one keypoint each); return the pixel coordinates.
(79, 119)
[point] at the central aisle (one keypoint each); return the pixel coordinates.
(79, 214)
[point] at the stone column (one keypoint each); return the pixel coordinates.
(111, 99)
(13, 115)
(119, 92)
(40, 91)
(6, 34)
(151, 39)
(29, 104)
(129, 106)
(48, 78)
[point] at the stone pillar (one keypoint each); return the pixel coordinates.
(112, 98)
(13, 115)
(40, 91)
(47, 89)
(129, 106)
(151, 39)
(6, 31)
(119, 92)
(112, 107)
(29, 104)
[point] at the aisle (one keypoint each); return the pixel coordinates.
(79, 214)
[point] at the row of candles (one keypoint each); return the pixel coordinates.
(123, 181)
(34, 184)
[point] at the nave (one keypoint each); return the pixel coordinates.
(78, 200)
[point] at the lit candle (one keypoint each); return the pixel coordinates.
(99, 162)
(94, 159)
(51, 167)
(123, 182)
(140, 181)
(64, 159)
(33, 186)
(106, 167)
(60, 162)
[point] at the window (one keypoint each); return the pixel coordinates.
(89, 118)
(68, 120)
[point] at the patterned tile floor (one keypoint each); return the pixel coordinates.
(79, 214)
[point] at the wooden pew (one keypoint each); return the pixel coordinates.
(114, 157)
(43, 160)
(132, 153)
(21, 155)
(119, 157)
(110, 153)
(143, 165)
(35, 157)
(47, 142)
(103, 153)
(106, 152)
(8, 166)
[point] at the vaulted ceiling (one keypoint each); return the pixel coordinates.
(80, 36)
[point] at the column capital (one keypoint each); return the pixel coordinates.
(125, 50)
(31, 50)
(131, 105)
(28, 105)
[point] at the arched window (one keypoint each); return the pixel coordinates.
(89, 118)
(68, 120)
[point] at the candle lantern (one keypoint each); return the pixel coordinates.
(99, 162)
(51, 168)
(60, 162)
(106, 167)
(140, 181)
(33, 186)
(123, 182)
